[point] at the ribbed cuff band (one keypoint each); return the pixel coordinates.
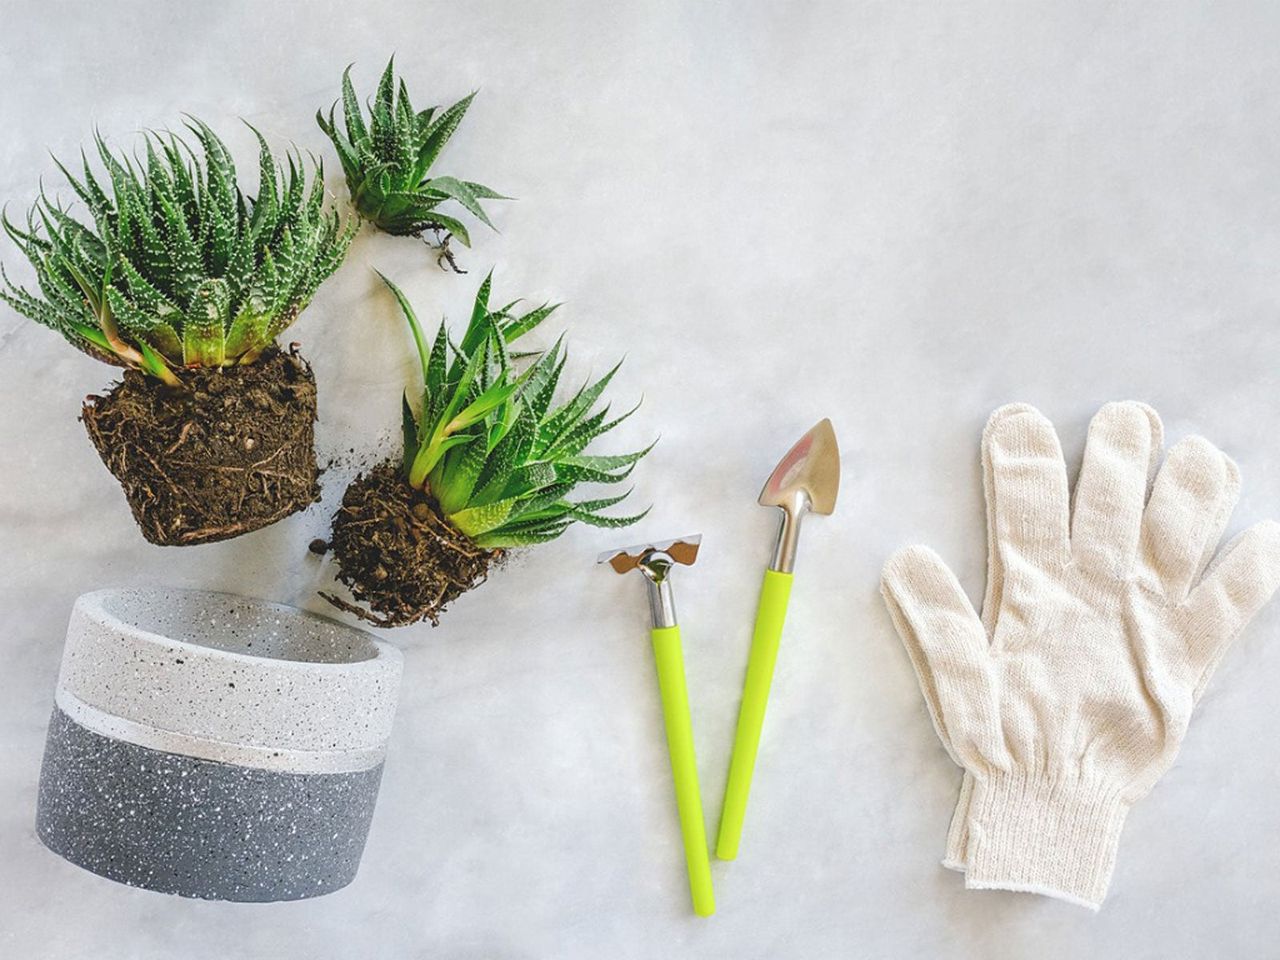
(1057, 838)
(957, 852)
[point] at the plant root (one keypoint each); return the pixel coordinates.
(227, 452)
(401, 559)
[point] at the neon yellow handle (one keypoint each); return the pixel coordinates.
(684, 767)
(770, 616)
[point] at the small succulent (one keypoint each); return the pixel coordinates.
(489, 446)
(387, 161)
(175, 266)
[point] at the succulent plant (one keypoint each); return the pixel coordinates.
(387, 160)
(175, 266)
(489, 445)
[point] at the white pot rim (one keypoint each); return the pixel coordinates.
(227, 677)
(95, 604)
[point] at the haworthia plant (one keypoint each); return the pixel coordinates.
(175, 266)
(489, 443)
(387, 160)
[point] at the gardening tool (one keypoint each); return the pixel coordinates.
(807, 479)
(655, 561)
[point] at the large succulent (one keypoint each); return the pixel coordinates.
(387, 160)
(176, 266)
(499, 459)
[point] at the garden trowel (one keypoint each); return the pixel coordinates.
(654, 561)
(807, 479)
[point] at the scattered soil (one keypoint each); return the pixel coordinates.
(227, 452)
(400, 558)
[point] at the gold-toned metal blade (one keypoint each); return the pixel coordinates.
(681, 550)
(811, 468)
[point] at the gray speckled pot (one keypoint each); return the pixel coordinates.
(215, 746)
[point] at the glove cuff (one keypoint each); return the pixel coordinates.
(957, 853)
(1053, 837)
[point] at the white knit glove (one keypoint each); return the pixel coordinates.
(1070, 697)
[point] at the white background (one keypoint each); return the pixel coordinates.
(898, 215)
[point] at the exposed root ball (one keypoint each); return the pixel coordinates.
(398, 555)
(228, 452)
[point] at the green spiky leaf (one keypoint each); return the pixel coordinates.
(387, 150)
(176, 265)
(500, 461)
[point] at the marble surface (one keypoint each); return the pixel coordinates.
(896, 215)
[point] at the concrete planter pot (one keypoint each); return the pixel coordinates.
(215, 746)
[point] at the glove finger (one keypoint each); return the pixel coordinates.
(1026, 487)
(1231, 594)
(947, 646)
(1120, 457)
(1193, 497)
(995, 564)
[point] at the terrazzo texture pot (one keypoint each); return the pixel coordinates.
(215, 746)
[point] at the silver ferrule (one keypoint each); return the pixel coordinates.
(784, 552)
(662, 603)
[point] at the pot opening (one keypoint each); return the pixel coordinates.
(234, 624)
